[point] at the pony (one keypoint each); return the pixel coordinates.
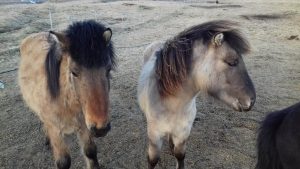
(205, 57)
(64, 78)
(278, 140)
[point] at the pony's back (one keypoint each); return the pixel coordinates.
(268, 157)
(278, 140)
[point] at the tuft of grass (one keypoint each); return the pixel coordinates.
(273, 16)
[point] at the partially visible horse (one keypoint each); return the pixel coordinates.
(278, 142)
(64, 78)
(205, 57)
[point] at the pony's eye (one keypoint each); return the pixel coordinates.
(233, 63)
(74, 74)
(108, 73)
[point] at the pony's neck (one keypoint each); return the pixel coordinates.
(190, 88)
(184, 97)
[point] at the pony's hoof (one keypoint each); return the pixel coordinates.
(93, 166)
(47, 143)
(96, 167)
(64, 162)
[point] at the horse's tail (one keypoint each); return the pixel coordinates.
(52, 65)
(268, 157)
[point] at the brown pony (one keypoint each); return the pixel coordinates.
(206, 57)
(64, 79)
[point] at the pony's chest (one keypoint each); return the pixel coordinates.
(71, 124)
(172, 122)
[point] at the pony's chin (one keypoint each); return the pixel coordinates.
(232, 102)
(99, 134)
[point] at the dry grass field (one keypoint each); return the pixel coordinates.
(220, 139)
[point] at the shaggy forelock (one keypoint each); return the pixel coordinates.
(87, 46)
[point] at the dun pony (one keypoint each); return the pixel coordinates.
(205, 57)
(64, 78)
(278, 141)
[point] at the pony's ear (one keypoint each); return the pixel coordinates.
(218, 39)
(107, 35)
(61, 38)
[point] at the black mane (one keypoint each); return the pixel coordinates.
(87, 46)
(52, 66)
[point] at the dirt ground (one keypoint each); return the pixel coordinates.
(220, 138)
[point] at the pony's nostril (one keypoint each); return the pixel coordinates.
(248, 104)
(252, 101)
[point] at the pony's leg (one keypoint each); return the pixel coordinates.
(171, 143)
(179, 151)
(154, 148)
(47, 139)
(89, 148)
(47, 142)
(60, 150)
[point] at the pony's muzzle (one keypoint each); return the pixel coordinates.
(252, 101)
(248, 104)
(96, 132)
